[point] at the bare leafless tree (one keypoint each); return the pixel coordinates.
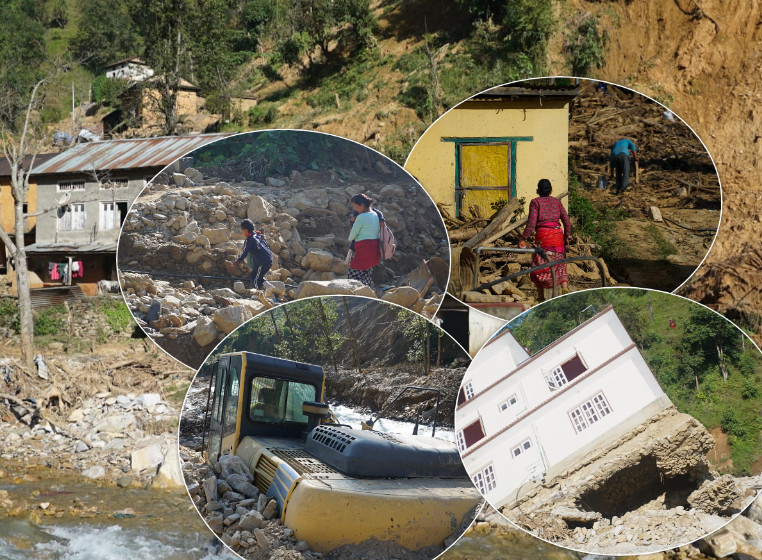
(22, 137)
(20, 147)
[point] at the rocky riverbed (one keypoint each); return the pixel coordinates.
(109, 416)
(179, 242)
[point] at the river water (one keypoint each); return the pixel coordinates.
(69, 518)
(102, 542)
(353, 417)
(108, 523)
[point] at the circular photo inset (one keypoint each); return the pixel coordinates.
(606, 183)
(615, 421)
(259, 219)
(323, 426)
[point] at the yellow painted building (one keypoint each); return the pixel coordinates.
(496, 145)
(7, 204)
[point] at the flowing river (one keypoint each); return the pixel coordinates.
(64, 517)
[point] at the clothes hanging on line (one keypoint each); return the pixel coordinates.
(77, 269)
(55, 274)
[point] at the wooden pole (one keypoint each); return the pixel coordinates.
(327, 333)
(275, 326)
(351, 335)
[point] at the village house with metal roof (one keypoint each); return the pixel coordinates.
(82, 196)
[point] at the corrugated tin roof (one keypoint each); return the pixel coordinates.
(134, 60)
(130, 153)
(56, 295)
(5, 166)
(529, 90)
(92, 247)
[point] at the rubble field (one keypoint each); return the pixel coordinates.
(107, 418)
(741, 539)
(650, 490)
(179, 242)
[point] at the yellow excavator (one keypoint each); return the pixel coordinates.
(334, 485)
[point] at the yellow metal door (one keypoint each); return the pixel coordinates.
(485, 171)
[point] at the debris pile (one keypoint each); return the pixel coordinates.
(237, 512)
(101, 416)
(670, 212)
(741, 538)
(179, 242)
(651, 489)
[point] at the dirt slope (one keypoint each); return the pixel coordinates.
(704, 59)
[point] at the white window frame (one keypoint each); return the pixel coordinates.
(468, 390)
(105, 215)
(506, 404)
(461, 441)
(521, 448)
(73, 219)
(589, 412)
(68, 186)
(485, 480)
(559, 377)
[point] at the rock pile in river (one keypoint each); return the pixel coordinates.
(242, 517)
(190, 231)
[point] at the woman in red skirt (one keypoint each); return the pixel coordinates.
(364, 239)
(545, 213)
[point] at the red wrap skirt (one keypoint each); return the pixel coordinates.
(367, 254)
(552, 240)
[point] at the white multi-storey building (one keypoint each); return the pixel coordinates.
(522, 418)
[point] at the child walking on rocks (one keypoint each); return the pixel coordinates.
(256, 253)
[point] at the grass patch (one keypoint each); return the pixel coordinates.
(176, 393)
(116, 312)
(596, 221)
(663, 247)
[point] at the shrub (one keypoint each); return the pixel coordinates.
(585, 46)
(749, 389)
(51, 320)
(263, 113)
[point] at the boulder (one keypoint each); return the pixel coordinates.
(94, 472)
(148, 399)
(233, 464)
(260, 210)
(406, 296)
(252, 520)
(240, 484)
(322, 261)
(229, 318)
(342, 286)
(170, 476)
(205, 331)
(148, 457)
(116, 422)
(209, 486)
(216, 235)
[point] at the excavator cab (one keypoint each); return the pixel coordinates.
(256, 395)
